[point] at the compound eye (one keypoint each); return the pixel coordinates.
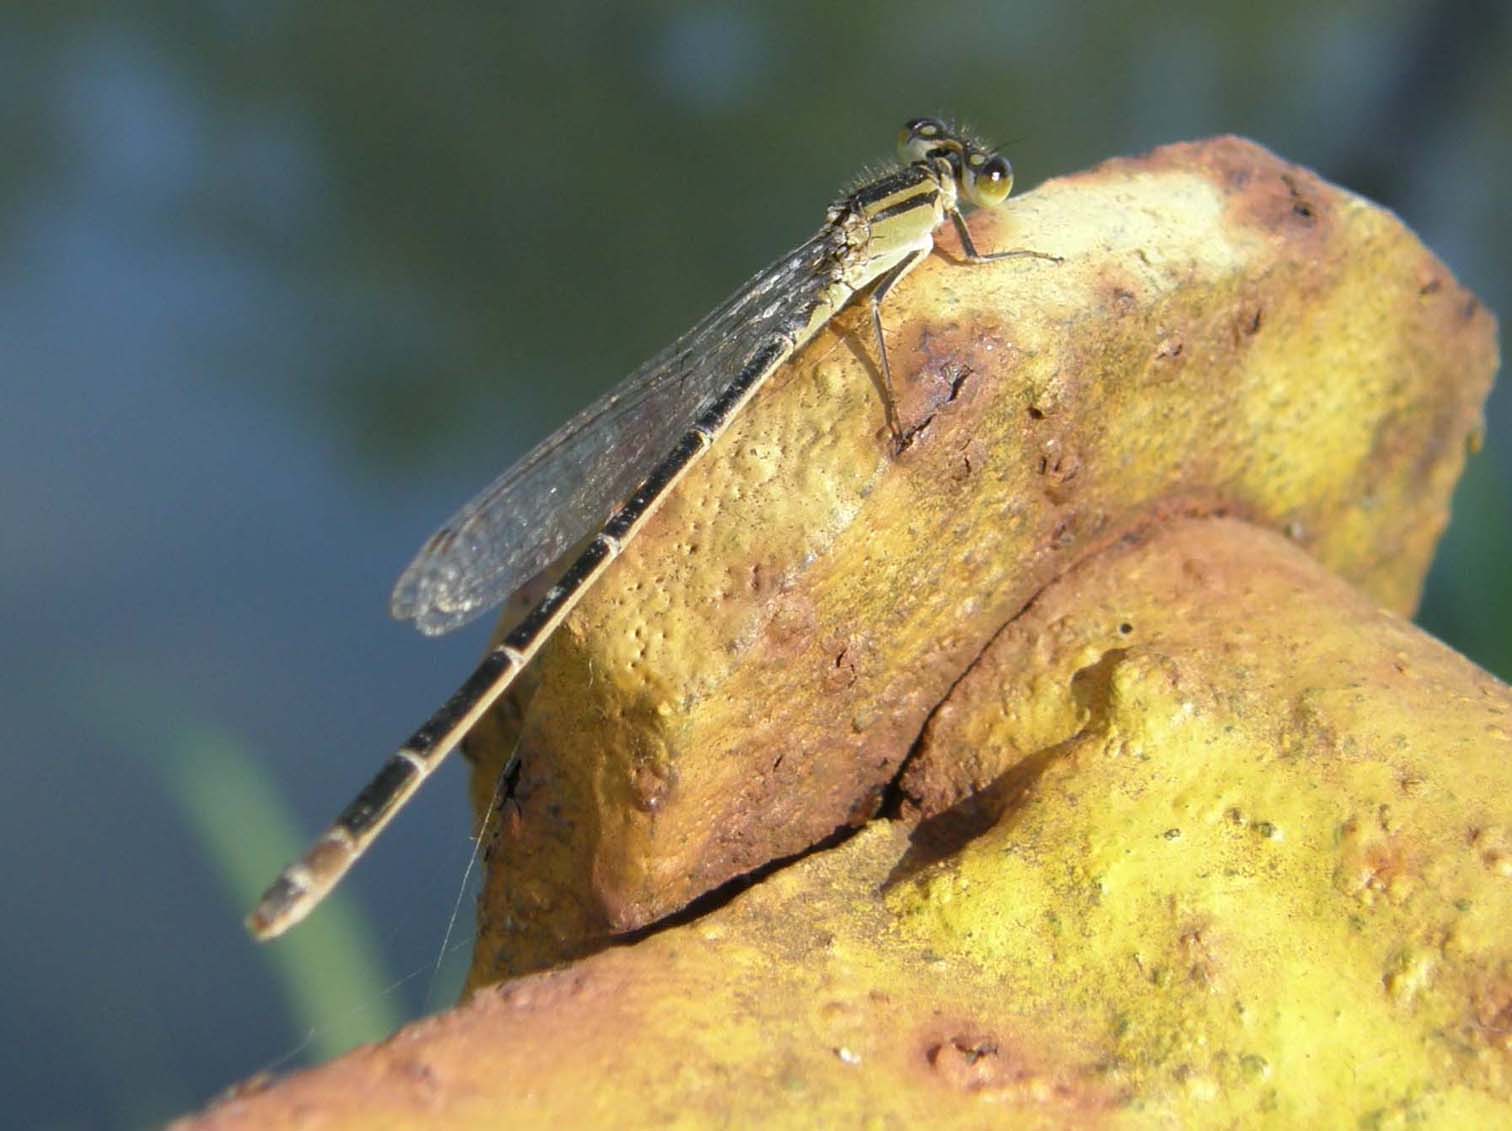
(988, 179)
(920, 137)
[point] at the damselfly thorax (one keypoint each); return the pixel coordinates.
(612, 464)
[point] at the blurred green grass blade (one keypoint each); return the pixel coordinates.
(335, 985)
(333, 978)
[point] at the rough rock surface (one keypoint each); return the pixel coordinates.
(1181, 824)
(1238, 854)
(1227, 334)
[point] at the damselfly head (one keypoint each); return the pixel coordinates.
(985, 177)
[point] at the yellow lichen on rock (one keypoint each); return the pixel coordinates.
(1227, 333)
(1256, 878)
(1250, 855)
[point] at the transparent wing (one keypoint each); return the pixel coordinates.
(573, 480)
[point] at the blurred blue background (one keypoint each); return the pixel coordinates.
(281, 284)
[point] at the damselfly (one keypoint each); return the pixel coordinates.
(673, 407)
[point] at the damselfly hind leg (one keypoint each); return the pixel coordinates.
(880, 293)
(895, 275)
